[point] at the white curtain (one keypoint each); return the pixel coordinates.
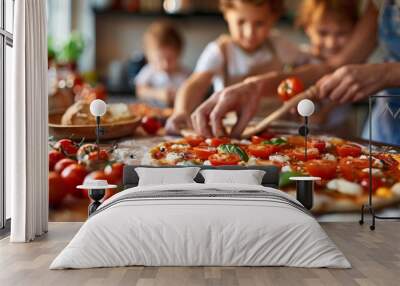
(26, 120)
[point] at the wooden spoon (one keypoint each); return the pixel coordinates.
(262, 125)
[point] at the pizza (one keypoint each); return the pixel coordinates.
(342, 165)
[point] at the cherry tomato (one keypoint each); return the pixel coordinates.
(351, 168)
(194, 140)
(203, 152)
(215, 142)
(319, 144)
(102, 155)
(73, 176)
(349, 150)
(85, 150)
(114, 172)
(224, 159)
(54, 157)
(62, 164)
(57, 190)
(326, 169)
(299, 154)
(262, 151)
(376, 183)
(289, 88)
(67, 147)
(150, 124)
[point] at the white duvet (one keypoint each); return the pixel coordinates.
(188, 231)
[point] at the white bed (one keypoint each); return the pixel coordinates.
(201, 224)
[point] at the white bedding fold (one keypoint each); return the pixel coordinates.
(183, 231)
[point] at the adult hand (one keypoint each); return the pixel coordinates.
(242, 98)
(176, 122)
(353, 82)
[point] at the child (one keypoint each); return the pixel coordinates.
(248, 50)
(160, 78)
(329, 25)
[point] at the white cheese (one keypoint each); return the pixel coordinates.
(208, 141)
(207, 163)
(364, 157)
(374, 171)
(172, 157)
(345, 187)
(396, 189)
(179, 146)
(245, 142)
(286, 169)
(279, 158)
(252, 161)
(329, 157)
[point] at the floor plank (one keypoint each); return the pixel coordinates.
(375, 257)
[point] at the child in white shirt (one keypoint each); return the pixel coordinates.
(249, 49)
(163, 75)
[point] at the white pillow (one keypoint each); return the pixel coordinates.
(166, 176)
(248, 177)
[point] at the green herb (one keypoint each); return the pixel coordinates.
(284, 178)
(231, 148)
(275, 141)
(72, 49)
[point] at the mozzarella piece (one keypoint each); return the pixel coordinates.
(245, 142)
(179, 146)
(207, 163)
(208, 141)
(345, 187)
(396, 189)
(374, 171)
(279, 158)
(329, 157)
(286, 169)
(172, 157)
(252, 161)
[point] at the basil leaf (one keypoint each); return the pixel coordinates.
(284, 178)
(231, 148)
(275, 141)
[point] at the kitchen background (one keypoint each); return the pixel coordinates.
(100, 42)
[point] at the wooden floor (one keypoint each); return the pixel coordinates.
(375, 257)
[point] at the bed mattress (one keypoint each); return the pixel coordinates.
(201, 225)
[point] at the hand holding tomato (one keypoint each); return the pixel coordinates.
(151, 125)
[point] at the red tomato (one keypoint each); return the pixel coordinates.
(203, 152)
(215, 142)
(150, 124)
(224, 159)
(296, 140)
(73, 176)
(325, 169)
(376, 183)
(319, 144)
(351, 168)
(114, 172)
(57, 190)
(299, 154)
(85, 150)
(102, 155)
(289, 88)
(101, 175)
(67, 147)
(262, 151)
(194, 140)
(62, 164)
(54, 157)
(349, 150)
